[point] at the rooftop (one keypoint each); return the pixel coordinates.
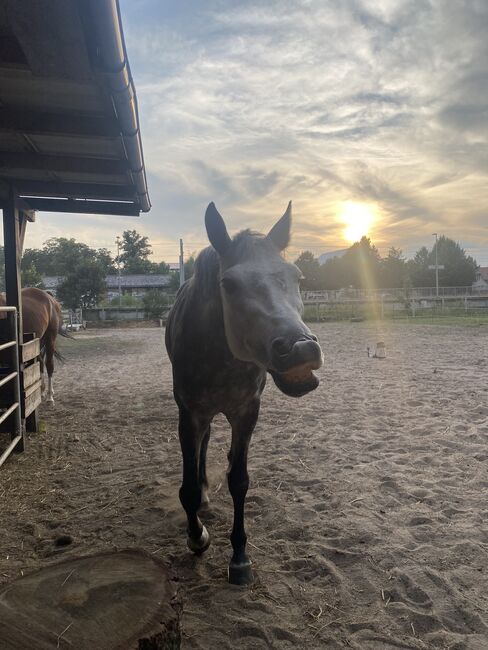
(69, 126)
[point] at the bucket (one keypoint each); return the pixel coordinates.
(380, 350)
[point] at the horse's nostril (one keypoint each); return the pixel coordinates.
(280, 346)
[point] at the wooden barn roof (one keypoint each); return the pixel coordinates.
(69, 126)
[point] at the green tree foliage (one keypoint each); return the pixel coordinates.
(31, 277)
(60, 255)
(84, 285)
(310, 267)
(393, 270)
(418, 269)
(359, 267)
(155, 303)
(104, 256)
(135, 253)
(459, 268)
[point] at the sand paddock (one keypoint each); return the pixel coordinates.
(367, 513)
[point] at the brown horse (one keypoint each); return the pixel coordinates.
(41, 315)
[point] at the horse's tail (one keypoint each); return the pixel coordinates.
(59, 356)
(64, 332)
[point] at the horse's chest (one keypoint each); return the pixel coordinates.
(216, 392)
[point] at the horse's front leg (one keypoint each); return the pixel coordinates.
(243, 423)
(192, 431)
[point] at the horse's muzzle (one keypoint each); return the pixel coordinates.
(293, 365)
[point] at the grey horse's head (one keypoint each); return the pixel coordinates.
(262, 306)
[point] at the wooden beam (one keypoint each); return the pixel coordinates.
(24, 217)
(73, 164)
(20, 120)
(73, 190)
(85, 207)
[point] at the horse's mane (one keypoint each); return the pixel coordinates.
(246, 245)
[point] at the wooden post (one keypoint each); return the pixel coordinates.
(13, 295)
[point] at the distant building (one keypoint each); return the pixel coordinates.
(481, 280)
(134, 285)
(328, 256)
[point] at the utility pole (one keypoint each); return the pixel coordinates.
(436, 266)
(117, 241)
(182, 264)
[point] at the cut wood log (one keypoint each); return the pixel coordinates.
(112, 601)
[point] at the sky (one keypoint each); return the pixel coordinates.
(370, 115)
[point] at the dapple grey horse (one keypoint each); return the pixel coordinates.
(237, 319)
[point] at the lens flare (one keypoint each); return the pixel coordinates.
(358, 218)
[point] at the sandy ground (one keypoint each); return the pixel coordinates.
(367, 514)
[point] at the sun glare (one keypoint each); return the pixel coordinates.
(358, 218)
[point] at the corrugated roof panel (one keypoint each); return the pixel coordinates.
(114, 179)
(58, 144)
(13, 142)
(23, 89)
(32, 174)
(70, 118)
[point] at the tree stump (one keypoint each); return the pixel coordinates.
(110, 601)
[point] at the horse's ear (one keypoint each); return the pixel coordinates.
(280, 232)
(216, 230)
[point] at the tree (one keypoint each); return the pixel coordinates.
(418, 269)
(159, 268)
(31, 277)
(155, 303)
(393, 270)
(135, 253)
(59, 255)
(105, 258)
(331, 274)
(310, 267)
(459, 268)
(360, 265)
(83, 286)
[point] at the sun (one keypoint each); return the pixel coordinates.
(358, 218)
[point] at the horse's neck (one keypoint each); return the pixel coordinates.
(207, 303)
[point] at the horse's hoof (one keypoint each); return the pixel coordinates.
(50, 401)
(240, 573)
(200, 546)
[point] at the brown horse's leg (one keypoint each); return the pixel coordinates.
(49, 338)
(192, 432)
(41, 365)
(243, 424)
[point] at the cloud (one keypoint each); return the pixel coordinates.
(251, 103)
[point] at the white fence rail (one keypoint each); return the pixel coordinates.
(394, 295)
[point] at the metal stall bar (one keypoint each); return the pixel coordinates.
(17, 442)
